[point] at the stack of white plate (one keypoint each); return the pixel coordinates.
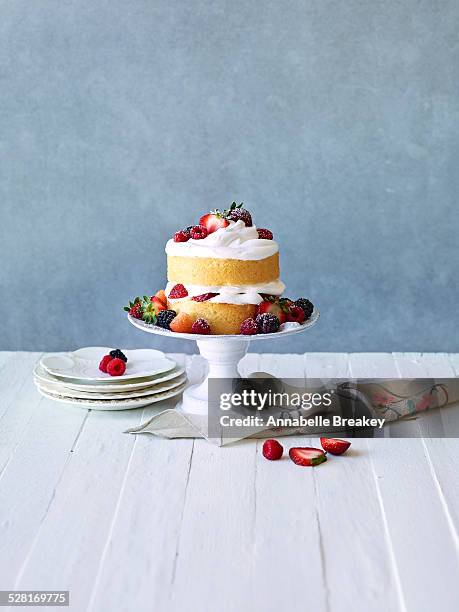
(75, 378)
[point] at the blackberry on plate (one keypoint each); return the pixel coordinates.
(118, 354)
(267, 323)
(306, 306)
(164, 318)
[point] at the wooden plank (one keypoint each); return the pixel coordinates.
(15, 372)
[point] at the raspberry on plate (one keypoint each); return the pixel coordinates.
(266, 234)
(200, 326)
(116, 367)
(182, 323)
(104, 363)
(178, 291)
(272, 450)
(198, 232)
(249, 327)
(267, 323)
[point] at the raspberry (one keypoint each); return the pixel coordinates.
(198, 232)
(249, 327)
(117, 353)
(178, 291)
(203, 297)
(272, 450)
(306, 306)
(182, 323)
(116, 367)
(164, 318)
(104, 363)
(267, 323)
(296, 314)
(265, 233)
(181, 236)
(241, 214)
(200, 326)
(136, 311)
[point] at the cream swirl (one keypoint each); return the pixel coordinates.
(231, 294)
(236, 241)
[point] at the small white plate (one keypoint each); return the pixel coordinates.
(99, 395)
(118, 385)
(83, 364)
(127, 404)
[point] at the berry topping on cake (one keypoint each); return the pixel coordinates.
(116, 367)
(272, 450)
(249, 327)
(335, 446)
(182, 236)
(178, 291)
(161, 295)
(275, 306)
(198, 232)
(267, 323)
(164, 318)
(266, 234)
(118, 354)
(200, 326)
(296, 314)
(203, 297)
(104, 363)
(134, 309)
(182, 323)
(236, 213)
(307, 456)
(213, 221)
(306, 305)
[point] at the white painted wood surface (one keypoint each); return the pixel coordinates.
(138, 523)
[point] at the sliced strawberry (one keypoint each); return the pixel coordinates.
(273, 306)
(307, 456)
(335, 446)
(161, 295)
(178, 291)
(213, 221)
(272, 450)
(203, 297)
(158, 304)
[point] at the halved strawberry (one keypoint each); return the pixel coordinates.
(203, 297)
(178, 291)
(307, 456)
(158, 304)
(213, 221)
(274, 306)
(335, 446)
(161, 295)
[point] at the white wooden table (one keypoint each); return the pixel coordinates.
(136, 523)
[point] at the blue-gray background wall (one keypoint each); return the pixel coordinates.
(337, 123)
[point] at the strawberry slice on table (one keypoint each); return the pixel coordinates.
(213, 221)
(335, 446)
(307, 456)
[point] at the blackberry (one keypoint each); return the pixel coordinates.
(117, 354)
(164, 318)
(267, 323)
(306, 306)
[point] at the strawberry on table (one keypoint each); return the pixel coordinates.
(272, 450)
(335, 446)
(307, 456)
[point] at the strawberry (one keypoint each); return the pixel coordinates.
(134, 309)
(161, 295)
(275, 306)
(116, 367)
(272, 450)
(335, 446)
(104, 363)
(182, 323)
(178, 291)
(213, 221)
(203, 297)
(307, 456)
(158, 304)
(295, 314)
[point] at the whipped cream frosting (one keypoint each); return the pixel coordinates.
(227, 294)
(236, 241)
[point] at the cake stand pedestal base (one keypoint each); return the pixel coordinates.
(222, 356)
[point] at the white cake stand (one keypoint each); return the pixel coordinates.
(222, 353)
